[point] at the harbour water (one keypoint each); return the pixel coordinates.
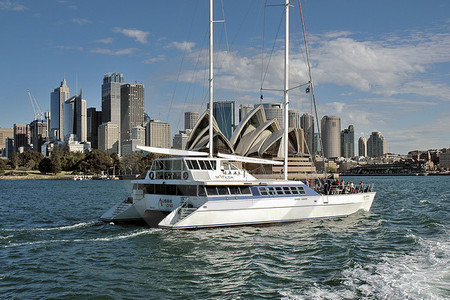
(53, 246)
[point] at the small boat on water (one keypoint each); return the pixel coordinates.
(195, 189)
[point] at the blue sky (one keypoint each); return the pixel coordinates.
(379, 65)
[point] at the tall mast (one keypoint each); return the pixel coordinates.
(286, 90)
(211, 78)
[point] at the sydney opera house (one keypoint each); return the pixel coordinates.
(256, 136)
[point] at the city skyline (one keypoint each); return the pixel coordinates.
(377, 69)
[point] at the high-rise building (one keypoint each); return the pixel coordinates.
(21, 137)
(75, 121)
(244, 109)
(273, 111)
(362, 146)
(38, 134)
(307, 124)
(294, 118)
(131, 108)
(57, 99)
(348, 142)
(190, 119)
(108, 137)
(138, 133)
(5, 133)
(331, 136)
(376, 145)
(224, 114)
(180, 139)
(9, 147)
(111, 97)
(158, 134)
(94, 120)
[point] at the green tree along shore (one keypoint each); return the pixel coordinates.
(95, 162)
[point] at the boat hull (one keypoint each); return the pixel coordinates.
(122, 212)
(266, 211)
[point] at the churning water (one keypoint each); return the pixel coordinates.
(52, 245)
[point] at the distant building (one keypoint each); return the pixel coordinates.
(158, 134)
(307, 124)
(444, 160)
(38, 134)
(138, 134)
(94, 120)
(180, 139)
(376, 145)
(273, 111)
(5, 133)
(131, 108)
(224, 114)
(294, 118)
(111, 100)
(57, 99)
(75, 121)
(362, 147)
(331, 136)
(21, 137)
(348, 142)
(108, 137)
(130, 146)
(190, 119)
(9, 147)
(244, 109)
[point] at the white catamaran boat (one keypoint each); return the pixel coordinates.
(197, 189)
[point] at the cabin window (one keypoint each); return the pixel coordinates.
(171, 189)
(245, 190)
(208, 165)
(195, 165)
(279, 190)
(187, 190)
(213, 164)
(201, 191)
(222, 190)
(271, 190)
(263, 191)
(211, 191)
(301, 190)
(189, 164)
(287, 190)
(234, 190)
(294, 190)
(149, 188)
(176, 165)
(160, 189)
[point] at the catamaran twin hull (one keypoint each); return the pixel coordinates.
(199, 212)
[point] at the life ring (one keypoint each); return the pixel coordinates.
(152, 175)
(185, 175)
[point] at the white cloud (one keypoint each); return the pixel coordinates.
(105, 41)
(81, 21)
(9, 5)
(183, 46)
(139, 35)
(70, 48)
(126, 51)
(155, 59)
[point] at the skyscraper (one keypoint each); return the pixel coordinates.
(190, 119)
(362, 146)
(94, 120)
(244, 109)
(294, 118)
(111, 100)
(348, 142)
(57, 98)
(376, 145)
(158, 134)
(108, 134)
(21, 137)
(4, 134)
(331, 136)
(307, 124)
(273, 111)
(224, 114)
(38, 133)
(75, 121)
(131, 108)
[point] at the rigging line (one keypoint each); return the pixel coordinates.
(311, 85)
(273, 48)
(181, 66)
(262, 50)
